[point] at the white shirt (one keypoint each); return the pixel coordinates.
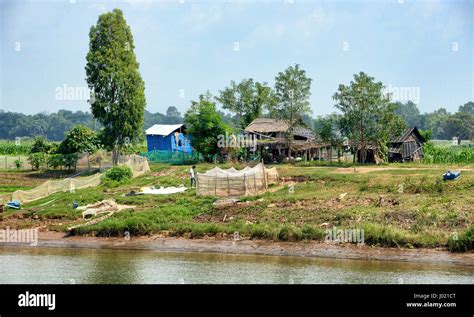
(191, 172)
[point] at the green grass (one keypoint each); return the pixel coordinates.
(424, 214)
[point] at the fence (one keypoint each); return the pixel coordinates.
(51, 187)
(172, 157)
(10, 162)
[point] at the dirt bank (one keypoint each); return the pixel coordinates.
(261, 247)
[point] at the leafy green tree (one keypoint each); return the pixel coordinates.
(368, 117)
(468, 108)
(80, 139)
(246, 100)
(36, 159)
(328, 130)
(40, 145)
(292, 92)
(172, 112)
(70, 161)
(204, 126)
(409, 112)
(461, 125)
(435, 121)
(118, 100)
(426, 134)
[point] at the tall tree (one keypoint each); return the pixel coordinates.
(205, 125)
(409, 112)
(461, 125)
(118, 100)
(368, 116)
(246, 99)
(468, 108)
(292, 90)
(435, 121)
(173, 112)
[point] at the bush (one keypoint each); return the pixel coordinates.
(40, 145)
(119, 174)
(36, 159)
(18, 163)
(55, 161)
(70, 160)
(463, 242)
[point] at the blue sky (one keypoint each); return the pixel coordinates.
(187, 47)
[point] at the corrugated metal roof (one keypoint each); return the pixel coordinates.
(163, 129)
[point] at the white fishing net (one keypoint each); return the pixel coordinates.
(233, 182)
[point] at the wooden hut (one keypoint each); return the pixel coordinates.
(272, 135)
(407, 147)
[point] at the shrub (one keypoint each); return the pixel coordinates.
(119, 174)
(40, 145)
(70, 160)
(36, 159)
(55, 161)
(18, 163)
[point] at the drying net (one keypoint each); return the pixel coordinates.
(138, 165)
(232, 182)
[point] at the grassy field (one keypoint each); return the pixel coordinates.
(404, 205)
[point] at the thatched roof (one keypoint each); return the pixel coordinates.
(267, 125)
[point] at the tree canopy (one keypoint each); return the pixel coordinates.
(368, 117)
(80, 139)
(118, 100)
(246, 100)
(204, 125)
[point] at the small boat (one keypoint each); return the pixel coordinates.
(448, 176)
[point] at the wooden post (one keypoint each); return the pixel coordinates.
(245, 185)
(215, 185)
(228, 185)
(265, 183)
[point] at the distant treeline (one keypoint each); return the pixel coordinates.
(443, 124)
(55, 125)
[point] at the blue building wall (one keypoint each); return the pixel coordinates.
(168, 143)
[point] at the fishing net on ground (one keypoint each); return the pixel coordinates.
(138, 165)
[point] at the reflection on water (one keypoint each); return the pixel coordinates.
(94, 266)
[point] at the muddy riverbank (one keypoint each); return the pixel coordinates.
(255, 247)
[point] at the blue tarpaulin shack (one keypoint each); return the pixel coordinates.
(168, 137)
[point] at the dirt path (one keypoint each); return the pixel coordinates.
(258, 247)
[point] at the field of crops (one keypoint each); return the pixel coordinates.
(448, 154)
(15, 148)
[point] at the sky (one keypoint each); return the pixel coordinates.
(420, 50)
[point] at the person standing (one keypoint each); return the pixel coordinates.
(192, 176)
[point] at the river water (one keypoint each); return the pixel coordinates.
(95, 266)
